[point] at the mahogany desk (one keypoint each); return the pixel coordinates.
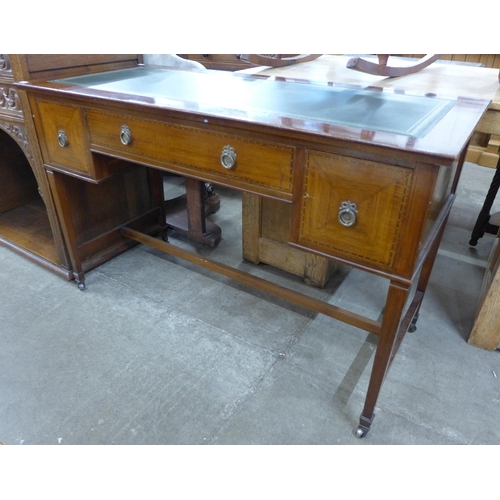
(370, 174)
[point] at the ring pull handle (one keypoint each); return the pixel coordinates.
(228, 157)
(125, 135)
(347, 213)
(62, 138)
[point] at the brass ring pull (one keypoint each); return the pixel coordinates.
(347, 213)
(228, 157)
(62, 138)
(125, 135)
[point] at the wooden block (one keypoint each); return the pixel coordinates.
(488, 160)
(480, 139)
(486, 330)
(251, 226)
(281, 256)
(493, 147)
(473, 154)
(276, 220)
(489, 123)
(318, 270)
(315, 270)
(266, 233)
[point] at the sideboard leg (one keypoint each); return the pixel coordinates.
(63, 207)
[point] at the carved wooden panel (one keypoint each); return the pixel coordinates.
(9, 101)
(5, 68)
(18, 132)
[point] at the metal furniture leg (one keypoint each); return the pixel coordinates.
(482, 223)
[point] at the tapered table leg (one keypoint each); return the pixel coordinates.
(396, 299)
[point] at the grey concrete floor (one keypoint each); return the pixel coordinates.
(157, 351)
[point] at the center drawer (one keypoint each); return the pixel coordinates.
(204, 151)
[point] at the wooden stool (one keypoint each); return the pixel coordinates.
(187, 213)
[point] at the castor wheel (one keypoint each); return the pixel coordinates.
(81, 285)
(164, 234)
(365, 424)
(360, 432)
(413, 325)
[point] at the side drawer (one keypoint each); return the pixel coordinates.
(63, 137)
(265, 164)
(352, 207)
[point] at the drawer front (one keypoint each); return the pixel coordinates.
(64, 135)
(353, 207)
(259, 163)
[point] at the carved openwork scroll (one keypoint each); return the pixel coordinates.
(18, 132)
(382, 69)
(9, 101)
(277, 60)
(5, 64)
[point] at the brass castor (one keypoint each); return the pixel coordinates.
(360, 432)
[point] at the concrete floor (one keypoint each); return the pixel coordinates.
(156, 351)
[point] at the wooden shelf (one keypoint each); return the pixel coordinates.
(27, 230)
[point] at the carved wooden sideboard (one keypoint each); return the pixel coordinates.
(28, 220)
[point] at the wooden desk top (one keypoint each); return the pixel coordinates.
(442, 78)
(278, 107)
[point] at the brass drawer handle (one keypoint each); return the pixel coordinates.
(62, 138)
(125, 135)
(347, 213)
(228, 157)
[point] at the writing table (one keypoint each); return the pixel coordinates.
(370, 173)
